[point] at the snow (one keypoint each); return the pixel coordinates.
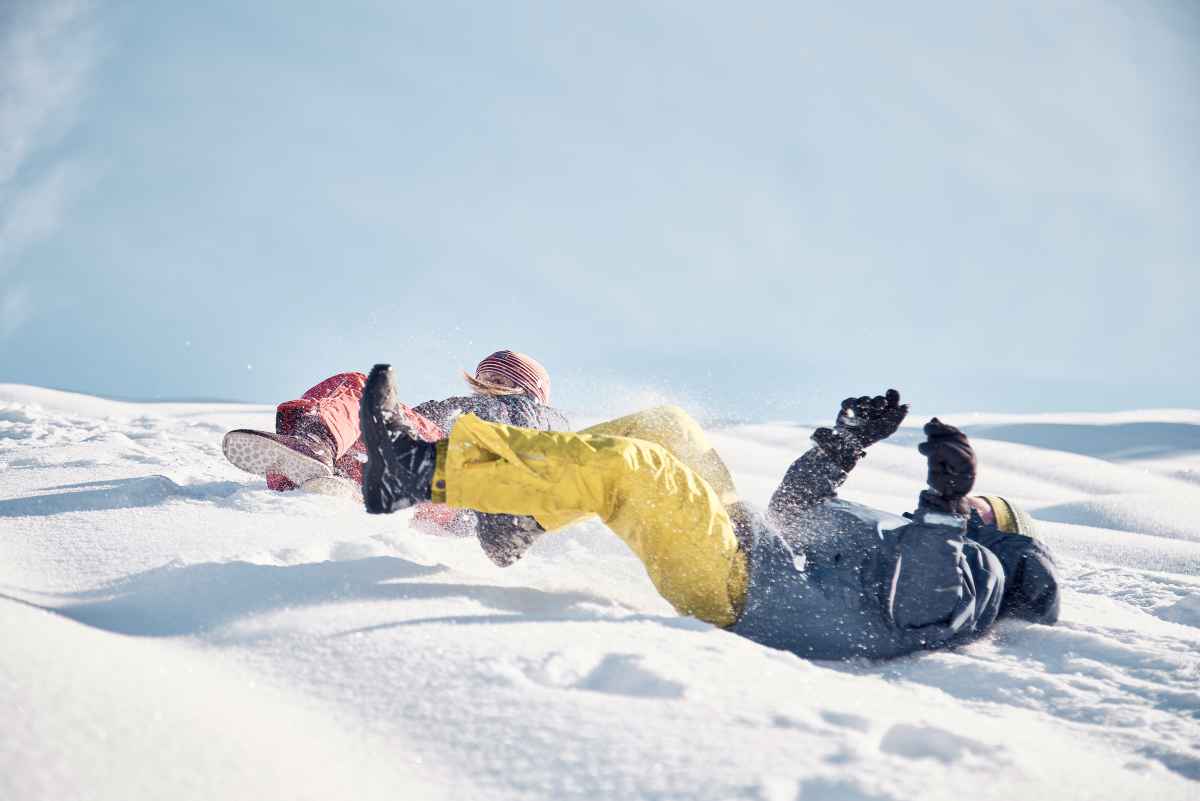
(170, 628)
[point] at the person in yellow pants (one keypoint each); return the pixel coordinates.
(657, 460)
(921, 584)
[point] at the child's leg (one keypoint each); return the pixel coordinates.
(672, 428)
(663, 510)
(331, 410)
(675, 430)
(332, 405)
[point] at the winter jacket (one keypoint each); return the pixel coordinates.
(513, 410)
(832, 579)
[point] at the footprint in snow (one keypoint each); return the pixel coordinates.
(1185, 611)
(929, 742)
(828, 788)
(625, 674)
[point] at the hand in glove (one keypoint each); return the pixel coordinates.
(860, 422)
(951, 461)
(868, 420)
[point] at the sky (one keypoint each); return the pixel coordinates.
(752, 209)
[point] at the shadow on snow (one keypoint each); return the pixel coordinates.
(123, 493)
(178, 601)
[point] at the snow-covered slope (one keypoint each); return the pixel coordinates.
(171, 629)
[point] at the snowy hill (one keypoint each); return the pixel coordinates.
(169, 628)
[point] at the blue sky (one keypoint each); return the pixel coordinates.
(754, 208)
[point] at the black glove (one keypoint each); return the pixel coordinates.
(860, 422)
(951, 461)
(868, 420)
(505, 538)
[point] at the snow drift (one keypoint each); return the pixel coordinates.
(170, 628)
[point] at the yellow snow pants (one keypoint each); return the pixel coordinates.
(665, 499)
(675, 430)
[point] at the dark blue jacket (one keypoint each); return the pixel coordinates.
(832, 579)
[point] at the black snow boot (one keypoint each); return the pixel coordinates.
(400, 465)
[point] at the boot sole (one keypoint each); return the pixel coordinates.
(258, 454)
(334, 487)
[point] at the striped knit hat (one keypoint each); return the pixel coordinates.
(1010, 518)
(507, 372)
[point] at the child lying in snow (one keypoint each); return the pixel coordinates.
(317, 444)
(820, 576)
